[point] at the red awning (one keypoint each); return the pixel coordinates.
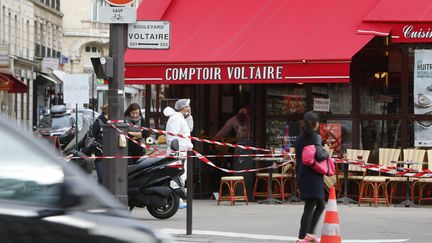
(244, 41)
(11, 84)
(407, 21)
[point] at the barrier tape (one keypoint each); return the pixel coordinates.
(203, 159)
(133, 140)
(373, 167)
(169, 156)
(192, 138)
(392, 170)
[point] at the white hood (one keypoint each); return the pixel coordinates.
(168, 111)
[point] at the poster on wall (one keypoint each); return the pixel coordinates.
(331, 134)
(423, 96)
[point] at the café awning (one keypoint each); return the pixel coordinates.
(405, 21)
(11, 84)
(244, 41)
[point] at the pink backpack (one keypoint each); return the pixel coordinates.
(325, 167)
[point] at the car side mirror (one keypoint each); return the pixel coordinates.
(175, 145)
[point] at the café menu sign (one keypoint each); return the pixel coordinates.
(412, 33)
(239, 73)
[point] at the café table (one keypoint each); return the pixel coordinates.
(407, 202)
(273, 161)
(345, 163)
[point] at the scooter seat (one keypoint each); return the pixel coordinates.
(143, 164)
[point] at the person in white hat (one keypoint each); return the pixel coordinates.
(180, 121)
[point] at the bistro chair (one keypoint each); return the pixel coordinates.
(425, 183)
(415, 155)
(262, 181)
(231, 182)
(355, 172)
(279, 182)
(373, 189)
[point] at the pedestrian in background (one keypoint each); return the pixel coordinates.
(310, 183)
(180, 121)
(97, 133)
(133, 116)
(240, 124)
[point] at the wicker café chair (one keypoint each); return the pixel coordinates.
(373, 189)
(416, 155)
(282, 181)
(355, 172)
(425, 183)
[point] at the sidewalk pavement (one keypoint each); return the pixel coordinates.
(261, 223)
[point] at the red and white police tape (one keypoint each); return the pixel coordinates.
(193, 138)
(373, 167)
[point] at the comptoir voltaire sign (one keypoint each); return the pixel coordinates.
(238, 73)
(416, 32)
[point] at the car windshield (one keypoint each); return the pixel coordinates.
(27, 174)
(55, 122)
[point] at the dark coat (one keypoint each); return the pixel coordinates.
(310, 183)
(97, 129)
(133, 148)
(97, 133)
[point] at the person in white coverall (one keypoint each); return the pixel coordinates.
(180, 122)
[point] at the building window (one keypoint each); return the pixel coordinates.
(92, 49)
(95, 8)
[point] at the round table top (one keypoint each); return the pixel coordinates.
(276, 159)
(408, 162)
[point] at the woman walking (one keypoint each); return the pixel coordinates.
(133, 116)
(310, 183)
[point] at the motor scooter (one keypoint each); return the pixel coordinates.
(149, 184)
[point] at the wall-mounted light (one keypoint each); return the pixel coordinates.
(380, 74)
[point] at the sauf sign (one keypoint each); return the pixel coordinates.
(117, 13)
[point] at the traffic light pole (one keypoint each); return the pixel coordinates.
(115, 170)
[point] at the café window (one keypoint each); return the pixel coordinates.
(332, 98)
(380, 93)
(375, 134)
(286, 99)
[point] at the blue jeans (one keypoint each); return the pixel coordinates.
(98, 166)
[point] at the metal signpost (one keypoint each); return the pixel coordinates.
(112, 68)
(140, 35)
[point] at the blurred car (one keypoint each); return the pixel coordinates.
(58, 123)
(45, 199)
(88, 113)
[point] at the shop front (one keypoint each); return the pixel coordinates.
(281, 59)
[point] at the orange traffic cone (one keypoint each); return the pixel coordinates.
(331, 230)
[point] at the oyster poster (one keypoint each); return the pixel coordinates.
(423, 96)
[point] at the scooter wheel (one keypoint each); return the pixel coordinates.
(168, 210)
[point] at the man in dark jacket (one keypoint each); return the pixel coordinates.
(97, 133)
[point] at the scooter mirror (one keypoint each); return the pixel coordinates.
(175, 145)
